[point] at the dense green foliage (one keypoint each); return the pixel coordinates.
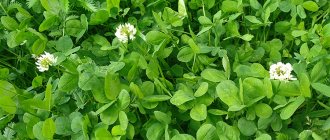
(197, 69)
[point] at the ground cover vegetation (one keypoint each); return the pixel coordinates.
(165, 69)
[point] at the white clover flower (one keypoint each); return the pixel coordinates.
(125, 31)
(281, 71)
(44, 61)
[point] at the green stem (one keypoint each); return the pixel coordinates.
(3, 9)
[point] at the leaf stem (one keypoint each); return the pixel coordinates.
(3, 9)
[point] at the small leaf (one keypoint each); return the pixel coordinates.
(117, 131)
(199, 112)
(206, 132)
(162, 117)
(253, 19)
(7, 104)
(248, 128)
(99, 17)
(247, 37)
(64, 44)
(304, 85)
(68, 82)
(213, 75)
(112, 85)
(180, 97)
(301, 12)
(182, 8)
(297, 33)
(202, 89)
(263, 110)
(227, 92)
(156, 98)
(322, 88)
(48, 23)
(38, 46)
(9, 23)
(288, 111)
(123, 120)
(326, 125)
(48, 128)
(124, 99)
(185, 54)
(310, 6)
(229, 6)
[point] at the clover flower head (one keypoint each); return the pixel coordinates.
(125, 31)
(44, 61)
(280, 71)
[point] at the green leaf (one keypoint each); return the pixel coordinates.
(199, 112)
(39, 46)
(264, 137)
(48, 23)
(255, 4)
(99, 17)
(182, 8)
(110, 115)
(9, 23)
(136, 90)
(297, 33)
(263, 110)
(326, 125)
(74, 28)
(7, 89)
(63, 126)
(162, 117)
(228, 93)
(68, 82)
(213, 75)
(37, 81)
(124, 99)
(117, 131)
(64, 44)
(172, 17)
(180, 97)
(318, 72)
(248, 128)
(102, 134)
(322, 88)
(304, 85)
(156, 98)
(113, 6)
(194, 46)
(123, 120)
(206, 132)
(227, 132)
(88, 80)
(7, 104)
(289, 110)
(48, 128)
(301, 12)
(155, 131)
(253, 19)
(229, 6)
(112, 86)
(247, 37)
(282, 26)
(48, 96)
(310, 6)
(156, 37)
(37, 130)
(185, 54)
(202, 89)
(205, 21)
(183, 137)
